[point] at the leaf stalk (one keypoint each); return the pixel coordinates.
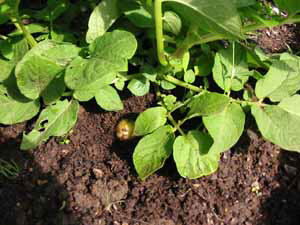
(20, 26)
(159, 32)
(177, 82)
(175, 124)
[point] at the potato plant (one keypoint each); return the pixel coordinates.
(204, 88)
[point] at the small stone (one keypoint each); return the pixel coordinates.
(98, 173)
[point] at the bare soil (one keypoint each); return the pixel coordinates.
(91, 180)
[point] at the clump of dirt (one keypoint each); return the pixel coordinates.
(280, 39)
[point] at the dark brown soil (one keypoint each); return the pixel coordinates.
(280, 39)
(91, 181)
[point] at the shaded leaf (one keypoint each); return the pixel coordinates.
(6, 69)
(280, 124)
(109, 55)
(210, 16)
(140, 17)
(139, 87)
(43, 64)
(226, 127)
(282, 80)
(193, 156)
(291, 6)
(102, 17)
(207, 104)
(224, 69)
(15, 109)
(55, 120)
(152, 151)
(108, 98)
(150, 120)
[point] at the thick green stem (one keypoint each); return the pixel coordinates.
(159, 32)
(175, 124)
(19, 25)
(182, 84)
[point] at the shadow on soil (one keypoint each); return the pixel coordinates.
(283, 206)
(28, 198)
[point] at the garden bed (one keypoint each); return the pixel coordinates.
(92, 180)
(89, 177)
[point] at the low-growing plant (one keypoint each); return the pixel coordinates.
(204, 87)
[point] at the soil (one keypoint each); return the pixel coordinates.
(91, 180)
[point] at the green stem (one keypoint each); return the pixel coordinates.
(159, 32)
(175, 124)
(259, 103)
(20, 26)
(233, 68)
(182, 84)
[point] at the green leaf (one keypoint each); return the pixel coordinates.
(35, 75)
(108, 98)
(114, 44)
(89, 91)
(281, 81)
(204, 14)
(226, 127)
(9, 7)
(139, 86)
(16, 108)
(53, 10)
(79, 69)
(189, 76)
(120, 84)
(109, 55)
(6, 69)
(291, 6)
(140, 17)
(280, 124)
(54, 90)
(55, 120)
(204, 65)
(193, 156)
(19, 50)
(170, 102)
(6, 48)
(291, 105)
(167, 85)
(207, 104)
(152, 151)
(229, 75)
(43, 64)
(102, 17)
(150, 120)
(172, 22)
(243, 3)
